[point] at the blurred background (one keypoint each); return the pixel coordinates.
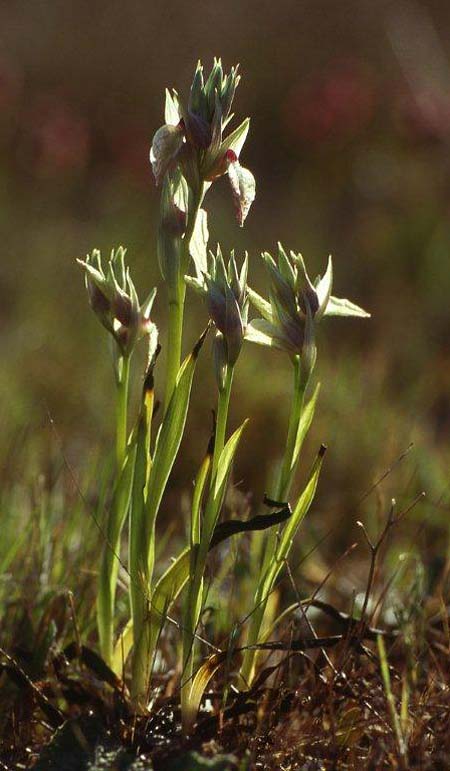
(349, 144)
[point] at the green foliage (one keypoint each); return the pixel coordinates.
(189, 152)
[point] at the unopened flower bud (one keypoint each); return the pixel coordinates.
(97, 300)
(224, 290)
(113, 298)
(296, 305)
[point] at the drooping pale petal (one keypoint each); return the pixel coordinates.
(338, 306)
(243, 187)
(165, 146)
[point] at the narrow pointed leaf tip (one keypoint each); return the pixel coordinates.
(341, 307)
(243, 186)
(197, 347)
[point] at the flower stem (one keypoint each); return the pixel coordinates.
(122, 410)
(289, 464)
(193, 604)
(175, 338)
(221, 421)
(176, 302)
(108, 572)
(287, 473)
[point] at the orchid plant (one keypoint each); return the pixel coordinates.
(188, 153)
(288, 323)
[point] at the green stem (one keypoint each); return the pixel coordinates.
(138, 569)
(119, 506)
(221, 420)
(287, 473)
(175, 338)
(289, 464)
(199, 556)
(176, 303)
(288, 467)
(109, 566)
(122, 410)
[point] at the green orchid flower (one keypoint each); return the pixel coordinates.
(224, 289)
(295, 305)
(113, 298)
(193, 139)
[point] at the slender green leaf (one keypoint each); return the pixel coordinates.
(263, 332)
(235, 141)
(305, 424)
(138, 565)
(198, 687)
(199, 488)
(301, 509)
(169, 437)
(267, 582)
(169, 586)
(110, 558)
(225, 462)
(338, 306)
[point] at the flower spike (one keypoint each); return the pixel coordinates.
(192, 138)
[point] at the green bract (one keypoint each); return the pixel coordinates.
(296, 304)
(113, 297)
(192, 138)
(225, 292)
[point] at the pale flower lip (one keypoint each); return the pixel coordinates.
(296, 304)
